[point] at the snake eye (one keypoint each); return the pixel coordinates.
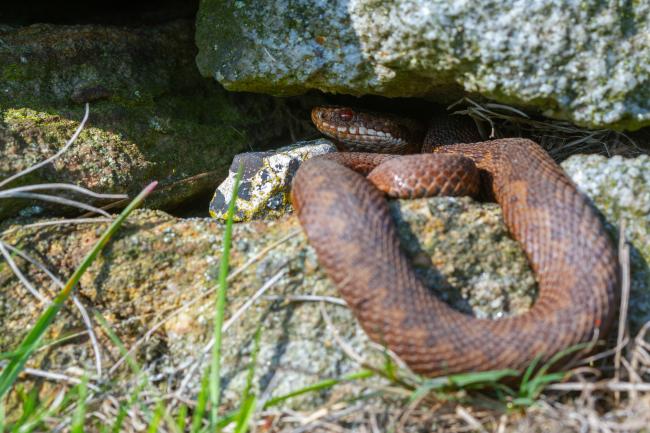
(346, 115)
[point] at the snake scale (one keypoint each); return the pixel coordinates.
(346, 219)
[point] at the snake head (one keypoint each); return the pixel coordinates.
(366, 131)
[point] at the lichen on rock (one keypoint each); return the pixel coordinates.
(264, 191)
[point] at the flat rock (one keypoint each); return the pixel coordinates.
(157, 277)
(164, 268)
(583, 61)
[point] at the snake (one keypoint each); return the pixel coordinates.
(340, 199)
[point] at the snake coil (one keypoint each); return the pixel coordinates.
(346, 219)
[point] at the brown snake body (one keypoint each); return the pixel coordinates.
(347, 221)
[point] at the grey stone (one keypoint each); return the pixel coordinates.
(620, 188)
(266, 181)
(581, 60)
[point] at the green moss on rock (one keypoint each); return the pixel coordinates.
(153, 117)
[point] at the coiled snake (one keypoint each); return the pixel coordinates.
(346, 219)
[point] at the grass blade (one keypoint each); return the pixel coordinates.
(251, 368)
(215, 366)
(2, 415)
(245, 414)
(121, 415)
(428, 386)
(106, 327)
(563, 353)
(249, 400)
(80, 411)
(180, 418)
(323, 384)
(31, 341)
(483, 377)
(529, 372)
(157, 417)
(463, 381)
(35, 414)
(201, 402)
(532, 386)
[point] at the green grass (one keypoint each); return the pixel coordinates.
(534, 379)
(215, 365)
(249, 398)
(201, 403)
(320, 386)
(78, 419)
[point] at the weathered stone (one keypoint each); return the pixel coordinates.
(584, 61)
(163, 268)
(158, 264)
(152, 116)
(266, 181)
(620, 188)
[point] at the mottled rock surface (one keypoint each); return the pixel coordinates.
(159, 263)
(583, 61)
(265, 186)
(153, 117)
(620, 188)
(161, 268)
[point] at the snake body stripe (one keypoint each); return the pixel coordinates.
(347, 221)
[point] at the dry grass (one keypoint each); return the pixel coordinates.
(560, 139)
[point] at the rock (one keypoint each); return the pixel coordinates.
(620, 188)
(164, 268)
(159, 263)
(266, 181)
(585, 62)
(152, 116)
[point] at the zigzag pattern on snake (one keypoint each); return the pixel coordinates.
(346, 219)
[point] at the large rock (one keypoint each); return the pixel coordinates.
(159, 264)
(152, 116)
(584, 61)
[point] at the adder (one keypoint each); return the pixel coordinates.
(340, 202)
